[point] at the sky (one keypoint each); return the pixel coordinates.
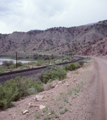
(26, 15)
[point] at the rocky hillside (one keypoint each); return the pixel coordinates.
(57, 40)
(99, 48)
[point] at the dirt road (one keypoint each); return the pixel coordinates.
(101, 66)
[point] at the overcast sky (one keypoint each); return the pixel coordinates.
(25, 15)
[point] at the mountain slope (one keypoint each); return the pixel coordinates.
(61, 40)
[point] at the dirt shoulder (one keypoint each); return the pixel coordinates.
(78, 97)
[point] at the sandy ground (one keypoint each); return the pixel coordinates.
(79, 97)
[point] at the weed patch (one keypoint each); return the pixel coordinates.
(63, 111)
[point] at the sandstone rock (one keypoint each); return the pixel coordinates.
(60, 82)
(41, 107)
(30, 104)
(35, 98)
(49, 113)
(39, 97)
(56, 86)
(25, 111)
(53, 85)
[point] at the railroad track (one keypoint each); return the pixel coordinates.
(32, 73)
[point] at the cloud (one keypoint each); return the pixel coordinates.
(24, 15)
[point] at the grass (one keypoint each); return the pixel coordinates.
(58, 99)
(52, 112)
(60, 107)
(65, 100)
(63, 111)
(62, 93)
(73, 97)
(45, 110)
(47, 117)
(70, 104)
(76, 90)
(70, 92)
(76, 72)
(37, 115)
(56, 116)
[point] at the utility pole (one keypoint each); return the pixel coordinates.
(16, 59)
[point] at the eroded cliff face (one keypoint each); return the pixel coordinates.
(98, 49)
(74, 40)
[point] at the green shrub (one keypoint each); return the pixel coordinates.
(40, 76)
(16, 88)
(39, 63)
(2, 70)
(19, 64)
(7, 63)
(38, 86)
(81, 63)
(46, 57)
(66, 67)
(52, 56)
(70, 67)
(61, 74)
(32, 90)
(52, 73)
(77, 65)
(12, 66)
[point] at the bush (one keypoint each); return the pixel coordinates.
(40, 76)
(70, 67)
(52, 73)
(12, 66)
(16, 88)
(36, 56)
(32, 91)
(46, 57)
(52, 56)
(19, 64)
(38, 86)
(2, 70)
(77, 65)
(39, 63)
(7, 63)
(81, 63)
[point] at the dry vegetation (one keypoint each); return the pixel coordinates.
(67, 99)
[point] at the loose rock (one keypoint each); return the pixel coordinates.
(53, 85)
(41, 107)
(30, 104)
(25, 111)
(60, 82)
(56, 86)
(39, 97)
(49, 113)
